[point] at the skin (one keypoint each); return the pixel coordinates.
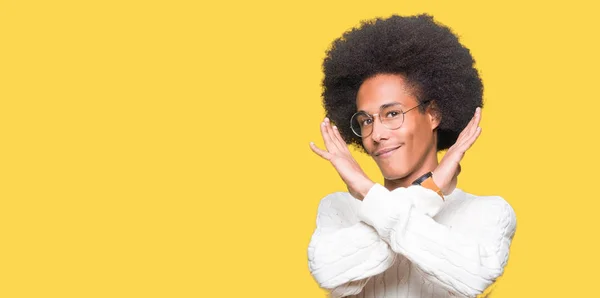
(416, 139)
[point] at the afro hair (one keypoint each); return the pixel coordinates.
(427, 54)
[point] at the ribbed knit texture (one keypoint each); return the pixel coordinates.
(409, 243)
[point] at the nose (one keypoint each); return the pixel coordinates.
(379, 132)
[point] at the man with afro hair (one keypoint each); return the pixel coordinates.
(401, 89)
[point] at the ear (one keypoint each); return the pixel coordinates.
(434, 114)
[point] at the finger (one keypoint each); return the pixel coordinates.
(320, 152)
(475, 136)
(476, 120)
(469, 142)
(465, 130)
(333, 136)
(458, 150)
(330, 146)
(471, 127)
(336, 133)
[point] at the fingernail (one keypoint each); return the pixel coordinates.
(326, 119)
(334, 127)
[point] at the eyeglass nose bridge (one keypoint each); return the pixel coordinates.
(372, 116)
(381, 122)
(372, 127)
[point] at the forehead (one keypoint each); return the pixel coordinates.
(384, 89)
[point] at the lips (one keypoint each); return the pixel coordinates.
(386, 151)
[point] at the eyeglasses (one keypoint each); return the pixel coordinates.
(390, 115)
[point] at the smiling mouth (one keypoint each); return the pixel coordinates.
(387, 152)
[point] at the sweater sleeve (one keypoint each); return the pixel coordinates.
(462, 262)
(345, 252)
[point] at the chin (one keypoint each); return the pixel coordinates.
(395, 167)
(393, 174)
(393, 177)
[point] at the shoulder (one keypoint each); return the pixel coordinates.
(486, 204)
(488, 211)
(337, 199)
(487, 201)
(338, 208)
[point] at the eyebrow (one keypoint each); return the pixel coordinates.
(386, 105)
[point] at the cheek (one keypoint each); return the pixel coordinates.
(368, 145)
(407, 136)
(415, 140)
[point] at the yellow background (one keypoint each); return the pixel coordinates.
(160, 148)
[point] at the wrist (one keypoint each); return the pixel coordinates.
(362, 187)
(435, 176)
(428, 181)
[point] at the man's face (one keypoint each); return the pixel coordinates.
(410, 143)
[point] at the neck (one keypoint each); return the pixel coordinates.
(427, 164)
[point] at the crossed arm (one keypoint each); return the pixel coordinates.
(356, 240)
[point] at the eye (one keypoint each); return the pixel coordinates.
(366, 122)
(392, 114)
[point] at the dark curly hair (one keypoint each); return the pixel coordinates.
(427, 54)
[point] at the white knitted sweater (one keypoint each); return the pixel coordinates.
(409, 243)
